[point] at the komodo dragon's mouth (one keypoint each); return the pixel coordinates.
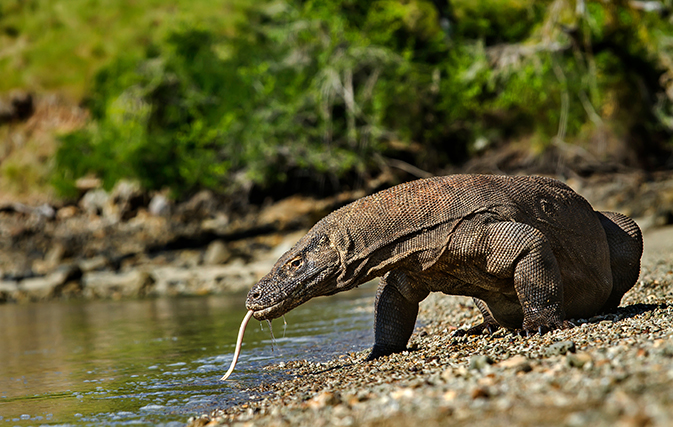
(267, 313)
(276, 310)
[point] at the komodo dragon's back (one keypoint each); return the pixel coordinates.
(419, 205)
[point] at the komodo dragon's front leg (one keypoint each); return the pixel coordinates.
(396, 310)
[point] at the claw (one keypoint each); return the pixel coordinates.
(527, 333)
(543, 329)
(567, 324)
(477, 330)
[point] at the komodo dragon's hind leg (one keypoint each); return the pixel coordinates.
(626, 247)
(396, 310)
(522, 252)
(489, 324)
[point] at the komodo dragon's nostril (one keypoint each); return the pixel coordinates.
(255, 295)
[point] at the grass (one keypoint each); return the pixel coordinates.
(54, 48)
(57, 45)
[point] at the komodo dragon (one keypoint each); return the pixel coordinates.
(529, 250)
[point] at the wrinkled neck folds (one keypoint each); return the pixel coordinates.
(383, 231)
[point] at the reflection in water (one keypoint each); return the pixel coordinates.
(155, 361)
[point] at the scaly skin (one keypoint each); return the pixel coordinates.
(529, 250)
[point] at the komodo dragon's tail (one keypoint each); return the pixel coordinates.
(626, 247)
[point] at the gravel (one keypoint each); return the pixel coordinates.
(612, 369)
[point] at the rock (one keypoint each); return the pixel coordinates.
(578, 360)
(216, 253)
(560, 348)
(66, 212)
(188, 258)
(8, 290)
(171, 280)
(402, 393)
(216, 225)
(450, 395)
(201, 205)
(201, 421)
(125, 198)
(480, 392)
(55, 254)
(104, 284)
(323, 399)
(479, 362)
(666, 350)
(159, 205)
(95, 263)
(233, 277)
(88, 183)
(94, 201)
(125, 191)
(447, 374)
(39, 288)
(288, 211)
(51, 259)
(45, 210)
(519, 363)
(19, 208)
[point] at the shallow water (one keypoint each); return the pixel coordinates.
(157, 361)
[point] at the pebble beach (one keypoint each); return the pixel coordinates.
(612, 369)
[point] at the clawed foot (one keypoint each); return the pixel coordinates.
(383, 350)
(477, 330)
(543, 329)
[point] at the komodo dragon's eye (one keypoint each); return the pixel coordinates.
(295, 263)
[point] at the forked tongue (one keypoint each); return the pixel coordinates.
(239, 343)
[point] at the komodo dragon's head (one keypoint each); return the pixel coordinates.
(306, 271)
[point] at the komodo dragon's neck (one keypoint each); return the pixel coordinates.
(377, 233)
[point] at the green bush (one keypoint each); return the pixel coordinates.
(328, 90)
(300, 88)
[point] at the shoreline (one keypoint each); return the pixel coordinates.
(611, 369)
(128, 244)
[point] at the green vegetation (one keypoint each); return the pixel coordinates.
(60, 44)
(330, 91)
